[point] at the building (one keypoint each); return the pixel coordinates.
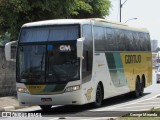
(154, 45)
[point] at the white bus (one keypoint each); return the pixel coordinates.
(80, 61)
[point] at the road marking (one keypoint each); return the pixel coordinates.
(157, 107)
(54, 118)
(109, 108)
(135, 106)
(133, 110)
(100, 118)
(29, 109)
(150, 102)
(58, 118)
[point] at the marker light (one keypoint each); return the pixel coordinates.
(72, 88)
(22, 90)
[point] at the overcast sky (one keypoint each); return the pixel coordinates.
(147, 13)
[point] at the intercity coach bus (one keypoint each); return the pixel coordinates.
(80, 61)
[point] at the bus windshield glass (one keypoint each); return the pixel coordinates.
(43, 34)
(48, 61)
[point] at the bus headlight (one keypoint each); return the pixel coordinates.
(72, 88)
(22, 90)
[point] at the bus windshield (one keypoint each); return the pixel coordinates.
(49, 33)
(53, 65)
(48, 61)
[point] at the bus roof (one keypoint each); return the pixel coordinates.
(95, 21)
(57, 22)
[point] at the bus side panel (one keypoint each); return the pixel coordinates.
(109, 70)
(118, 71)
(137, 64)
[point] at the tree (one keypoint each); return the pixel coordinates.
(14, 13)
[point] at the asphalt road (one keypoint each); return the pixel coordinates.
(112, 107)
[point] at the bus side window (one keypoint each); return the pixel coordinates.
(129, 40)
(110, 40)
(85, 61)
(148, 44)
(135, 41)
(120, 40)
(141, 37)
(87, 52)
(99, 36)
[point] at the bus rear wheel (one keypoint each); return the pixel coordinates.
(137, 92)
(99, 96)
(45, 107)
(142, 88)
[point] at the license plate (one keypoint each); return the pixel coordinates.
(46, 99)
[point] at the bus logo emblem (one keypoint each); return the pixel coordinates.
(65, 48)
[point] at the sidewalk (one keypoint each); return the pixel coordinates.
(9, 103)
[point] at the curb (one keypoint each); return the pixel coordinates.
(10, 108)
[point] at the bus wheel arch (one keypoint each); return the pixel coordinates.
(99, 94)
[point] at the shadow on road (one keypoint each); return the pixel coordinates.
(82, 110)
(121, 99)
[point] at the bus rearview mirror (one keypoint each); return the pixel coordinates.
(8, 51)
(80, 47)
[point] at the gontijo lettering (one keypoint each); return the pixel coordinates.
(132, 59)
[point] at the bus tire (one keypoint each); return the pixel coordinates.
(142, 87)
(137, 89)
(45, 107)
(99, 96)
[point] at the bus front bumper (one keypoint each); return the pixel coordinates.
(66, 98)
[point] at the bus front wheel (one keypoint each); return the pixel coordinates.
(99, 96)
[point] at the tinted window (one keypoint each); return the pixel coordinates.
(99, 37)
(136, 41)
(120, 40)
(147, 44)
(111, 39)
(87, 33)
(141, 41)
(47, 63)
(87, 52)
(55, 33)
(130, 43)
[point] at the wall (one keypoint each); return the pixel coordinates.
(7, 74)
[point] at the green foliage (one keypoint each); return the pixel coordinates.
(14, 13)
(5, 38)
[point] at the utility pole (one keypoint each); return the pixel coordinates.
(120, 7)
